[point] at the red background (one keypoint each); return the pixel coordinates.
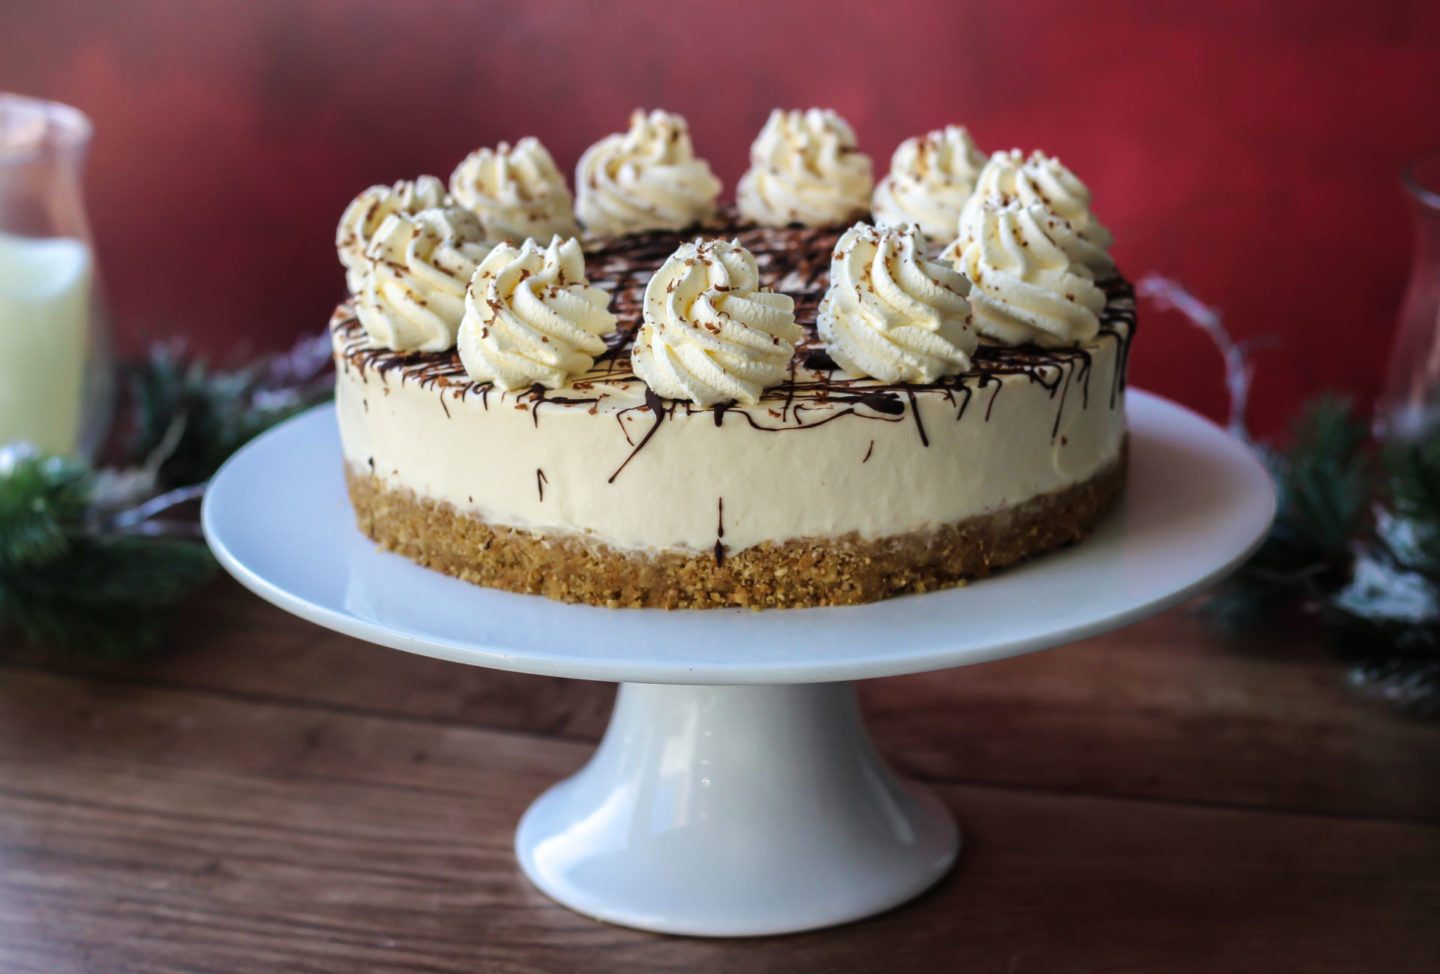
(1249, 149)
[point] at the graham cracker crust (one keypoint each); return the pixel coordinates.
(847, 570)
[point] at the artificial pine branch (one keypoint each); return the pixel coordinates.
(217, 411)
(1413, 487)
(1323, 486)
(38, 500)
(69, 577)
(1356, 537)
(86, 563)
(1386, 620)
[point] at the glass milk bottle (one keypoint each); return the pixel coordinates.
(55, 370)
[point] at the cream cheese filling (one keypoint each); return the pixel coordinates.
(605, 467)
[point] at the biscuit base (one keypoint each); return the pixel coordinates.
(844, 570)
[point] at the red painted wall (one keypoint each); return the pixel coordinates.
(1250, 149)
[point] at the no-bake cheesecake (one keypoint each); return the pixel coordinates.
(692, 407)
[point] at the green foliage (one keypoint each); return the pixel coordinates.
(215, 412)
(1412, 484)
(1323, 485)
(67, 579)
(1356, 539)
(39, 499)
(83, 564)
(1386, 620)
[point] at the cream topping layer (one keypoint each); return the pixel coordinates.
(416, 271)
(594, 458)
(805, 168)
(646, 178)
(1025, 288)
(368, 210)
(711, 334)
(531, 316)
(890, 312)
(1039, 180)
(516, 191)
(931, 176)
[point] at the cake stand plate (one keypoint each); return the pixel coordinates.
(735, 792)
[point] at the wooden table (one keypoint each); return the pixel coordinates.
(269, 796)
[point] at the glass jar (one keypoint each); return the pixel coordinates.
(56, 376)
(1409, 404)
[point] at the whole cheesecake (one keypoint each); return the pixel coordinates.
(830, 488)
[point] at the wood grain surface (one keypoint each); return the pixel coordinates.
(268, 796)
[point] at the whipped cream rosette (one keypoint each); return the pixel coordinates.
(931, 176)
(646, 178)
(368, 210)
(710, 334)
(516, 191)
(416, 271)
(1042, 180)
(531, 316)
(1024, 286)
(805, 168)
(892, 314)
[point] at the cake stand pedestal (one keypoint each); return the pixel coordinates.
(735, 810)
(735, 792)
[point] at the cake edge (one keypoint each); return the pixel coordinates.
(796, 573)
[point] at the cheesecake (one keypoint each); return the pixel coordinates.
(691, 406)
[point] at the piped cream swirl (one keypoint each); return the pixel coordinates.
(892, 314)
(931, 177)
(516, 191)
(709, 333)
(805, 168)
(1024, 287)
(646, 178)
(368, 210)
(531, 316)
(1042, 180)
(416, 270)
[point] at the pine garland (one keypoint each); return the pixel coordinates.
(88, 562)
(1323, 485)
(1356, 537)
(1386, 619)
(217, 411)
(71, 575)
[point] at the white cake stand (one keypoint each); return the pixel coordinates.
(736, 792)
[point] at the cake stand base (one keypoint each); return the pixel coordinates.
(735, 811)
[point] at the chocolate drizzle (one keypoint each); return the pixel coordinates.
(815, 391)
(720, 548)
(539, 396)
(993, 396)
(540, 481)
(656, 405)
(915, 411)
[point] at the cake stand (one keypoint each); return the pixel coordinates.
(735, 791)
